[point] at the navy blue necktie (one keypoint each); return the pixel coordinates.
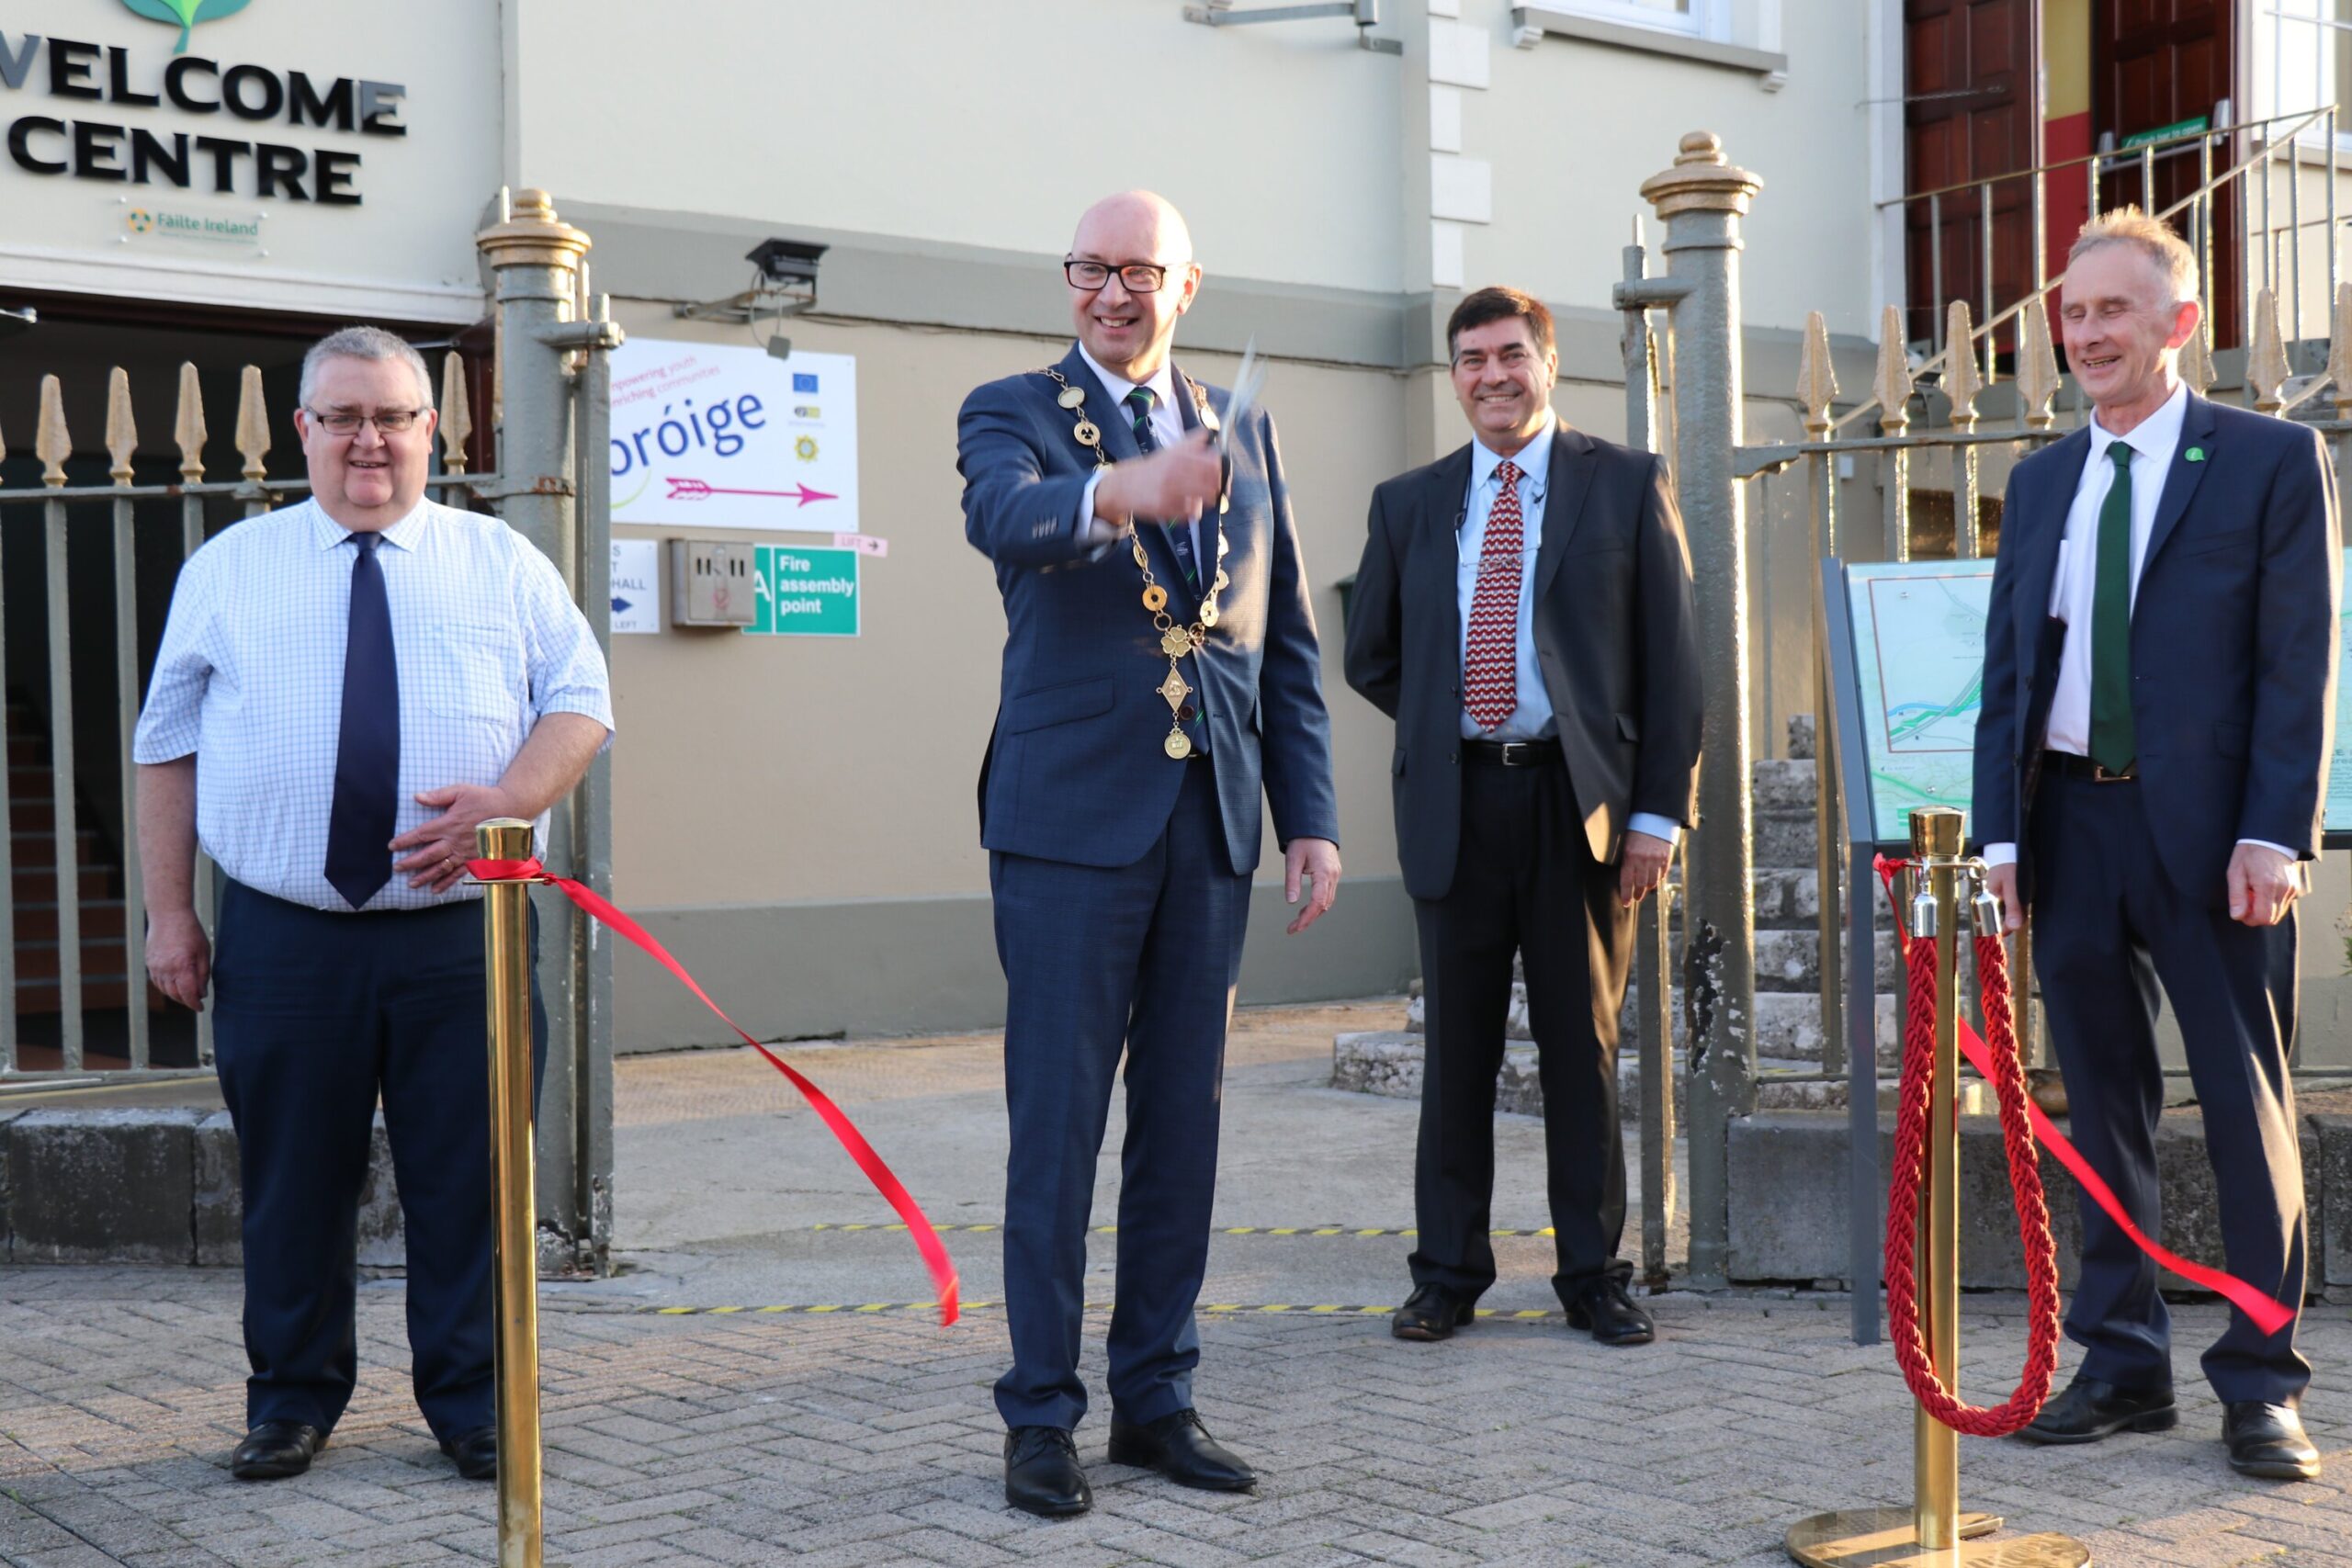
(367, 751)
(1180, 535)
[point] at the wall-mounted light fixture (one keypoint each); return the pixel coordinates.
(1365, 14)
(784, 283)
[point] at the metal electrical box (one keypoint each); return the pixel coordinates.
(710, 584)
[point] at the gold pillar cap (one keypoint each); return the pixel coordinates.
(532, 235)
(1936, 831)
(1702, 180)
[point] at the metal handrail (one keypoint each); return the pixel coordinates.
(2263, 156)
(2178, 143)
(234, 490)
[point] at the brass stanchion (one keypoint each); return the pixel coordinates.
(1933, 1532)
(515, 1282)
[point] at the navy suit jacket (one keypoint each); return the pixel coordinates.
(1075, 770)
(1616, 641)
(2234, 644)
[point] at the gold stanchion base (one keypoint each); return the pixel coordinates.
(1885, 1538)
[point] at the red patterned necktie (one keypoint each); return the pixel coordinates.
(1490, 662)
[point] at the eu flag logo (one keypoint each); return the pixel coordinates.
(803, 383)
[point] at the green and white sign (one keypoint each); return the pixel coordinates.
(802, 592)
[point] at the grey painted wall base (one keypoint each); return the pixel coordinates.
(1788, 1200)
(929, 965)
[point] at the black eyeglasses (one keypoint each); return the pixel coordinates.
(389, 422)
(1140, 277)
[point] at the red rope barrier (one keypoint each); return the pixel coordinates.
(2267, 1314)
(1911, 1131)
(886, 1181)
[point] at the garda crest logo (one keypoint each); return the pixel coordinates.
(185, 14)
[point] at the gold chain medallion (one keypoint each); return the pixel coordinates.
(1175, 641)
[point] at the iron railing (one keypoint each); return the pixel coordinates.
(128, 512)
(2253, 148)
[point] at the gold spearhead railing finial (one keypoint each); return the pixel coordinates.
(2037, 379)
(122, 430)
(457, 419)
(1891, 385)
(2339, 352)
(1962, 380)
(1816, 377)
(2196, 366)
(2265, 362)
(253, 426)
(187, 428)
(50, 441)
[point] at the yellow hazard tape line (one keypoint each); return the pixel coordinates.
(1213, 1309)
(1221, 1230)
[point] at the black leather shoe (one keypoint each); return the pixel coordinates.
(1431, 1312)
(2090, 1409)
(1041, 1473)
(2267, 1441)
(1603, 1307)
(275, 1449)
(476, 1453)
(1181, 1449)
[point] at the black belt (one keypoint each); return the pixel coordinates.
(2068, 765)
(1511, 754)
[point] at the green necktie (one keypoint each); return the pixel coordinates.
(2113, 744)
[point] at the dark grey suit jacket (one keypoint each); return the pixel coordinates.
(1616, 638)
(2233, 643)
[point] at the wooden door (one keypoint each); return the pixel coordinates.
(1971, 110)
(2156, 64)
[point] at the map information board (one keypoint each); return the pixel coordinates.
(1919, 661)
(1918, 631)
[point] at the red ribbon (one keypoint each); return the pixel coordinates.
(2267, 1315)
(934, 1254)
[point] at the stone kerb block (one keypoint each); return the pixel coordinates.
(1788, 1199)
(220, 1205)
(101, 1186)
(2332, 1228)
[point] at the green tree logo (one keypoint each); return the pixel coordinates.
(185, 14)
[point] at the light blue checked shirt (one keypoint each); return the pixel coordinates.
(1532, 719)
(250, 680)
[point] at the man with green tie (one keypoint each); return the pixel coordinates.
(2150, 763)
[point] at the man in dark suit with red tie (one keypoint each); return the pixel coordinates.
(1524, 612)
(2150, 763)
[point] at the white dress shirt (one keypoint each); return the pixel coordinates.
(1167, 429)
(249, 679)
(1533, 718)
(2153, 442)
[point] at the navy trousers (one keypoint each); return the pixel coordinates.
(315, 1017)
(2107, 927)
(1143, 957)
(1526, 883)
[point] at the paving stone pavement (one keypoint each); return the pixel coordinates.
(853, 1438)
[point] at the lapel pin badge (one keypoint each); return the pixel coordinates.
(2195, 455)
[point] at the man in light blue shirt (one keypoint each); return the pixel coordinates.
(1524, 612)
(346, 690)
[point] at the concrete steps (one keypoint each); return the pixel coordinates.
(1788, 1031)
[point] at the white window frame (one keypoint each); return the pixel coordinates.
(2279, 25)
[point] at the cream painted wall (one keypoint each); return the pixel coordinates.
(949, 121)
(405, 252)
(768, 769)
(1573, 128)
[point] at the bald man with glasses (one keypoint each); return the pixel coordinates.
(1161, 688)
